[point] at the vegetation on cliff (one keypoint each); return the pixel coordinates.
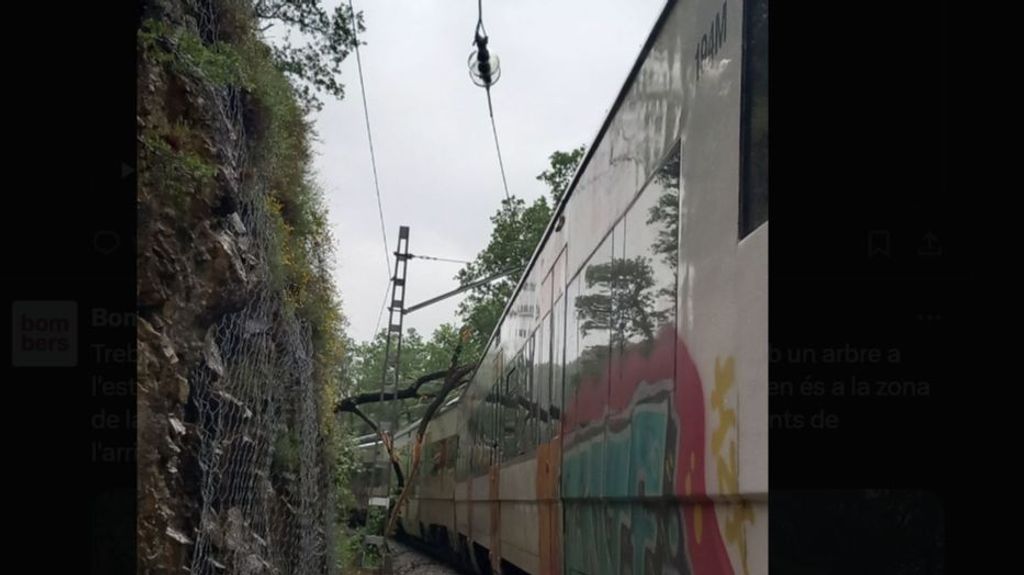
(234, 261)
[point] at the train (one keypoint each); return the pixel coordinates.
(618, 420)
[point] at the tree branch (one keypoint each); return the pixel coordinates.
(385, 442)
(451, 382)
(409, 392)
(453, 377)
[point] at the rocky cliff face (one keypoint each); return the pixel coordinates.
(230, 458)
(193, 268)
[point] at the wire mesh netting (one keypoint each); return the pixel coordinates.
(267, 503)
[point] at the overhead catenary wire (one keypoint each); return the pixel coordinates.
(485, 75)
(497, 146)
(369, 138)
(373, 165)
(383, 305)
(439, 259)
(480, 17)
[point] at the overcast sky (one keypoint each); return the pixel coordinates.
(562, 61)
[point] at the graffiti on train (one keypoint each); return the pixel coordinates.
(727, 463)
(635, 476)
(631, 461)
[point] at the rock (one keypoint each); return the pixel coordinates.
(177, 536)
(220, 278)
(165, 511)
(228, 398)
(227, 179)
(235, 224)
(228, 260)
(251, 564)
(211, 354)
(147, 334)
(183, 388)
(161, 268)
(211, 527)
(177, 426)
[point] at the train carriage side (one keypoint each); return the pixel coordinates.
(370, 477)
(430, 512)
(618, 422)
(407, 515)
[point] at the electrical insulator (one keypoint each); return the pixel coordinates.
(484, 68)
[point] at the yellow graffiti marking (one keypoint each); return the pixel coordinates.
(734, 532)
(724, 380)
(728, 477)
(728, 467)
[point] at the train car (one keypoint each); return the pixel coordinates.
(370, 477)
(429, 512)
(618, 421)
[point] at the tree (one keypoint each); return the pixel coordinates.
(453, 377)
(559, 175)
(419, 357)
(328, 37)
(518, 229)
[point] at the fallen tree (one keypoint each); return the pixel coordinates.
(453, 377)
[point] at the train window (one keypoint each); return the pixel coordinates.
(467, 464)
(432, 458)
(518, 415)
(522, 406)
(754, 118)
(480, 429)
(571, 370)
(542, 378)
(529, 404)
(440, 456)
(523, 403)
(646, 275)
(482, 432)
(508, 409)
(619, 290)
(593, 313)
(440, 459)
(557, 368)
(478, 425)
(460, 463)
(493, 446)
(454, 461)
